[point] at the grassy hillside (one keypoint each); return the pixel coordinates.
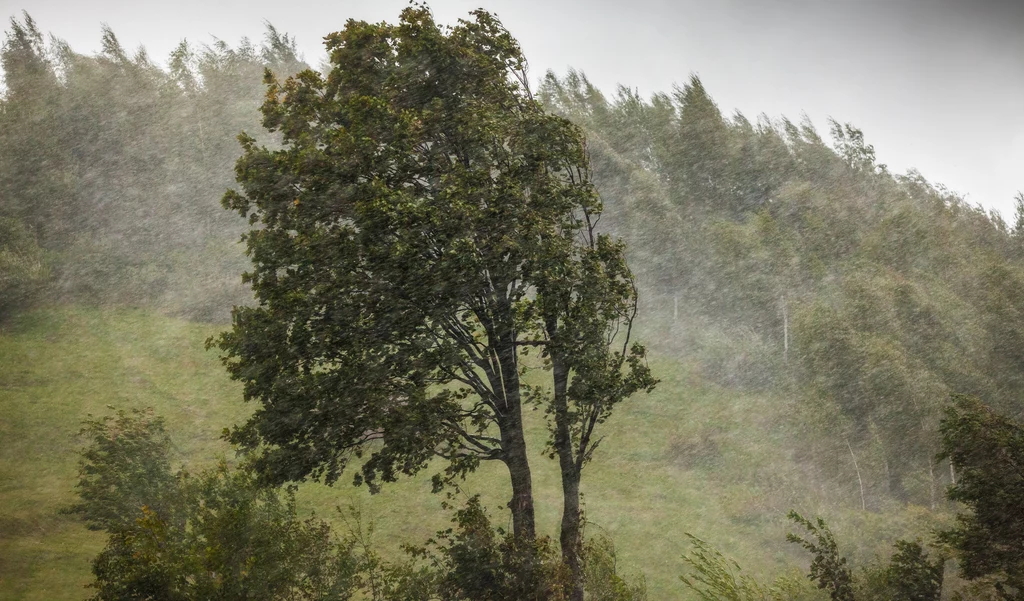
(692, 457)
(58, 366)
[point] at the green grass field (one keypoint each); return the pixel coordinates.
(691, 457)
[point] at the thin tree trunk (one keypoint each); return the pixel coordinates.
(570, 535)
(785, 332)
(504, 382)
(863, 503)
(513, 445)
(895, 476)
(931, 483)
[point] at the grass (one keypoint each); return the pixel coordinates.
(691, 457)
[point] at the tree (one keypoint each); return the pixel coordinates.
(123, 468)
(211, 535)
(828, 568)
(911, 575)
(35, 168)
(424, 225)
(987, 452)
(225, 537)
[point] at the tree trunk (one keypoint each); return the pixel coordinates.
(510, 422)
(860, 482)
(521, 505)
(570, 536)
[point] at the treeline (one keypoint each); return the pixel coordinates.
(782, 262)
(806, 268)
(111, 167)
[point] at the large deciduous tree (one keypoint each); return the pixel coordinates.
(424, 224)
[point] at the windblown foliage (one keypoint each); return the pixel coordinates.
(785, 263)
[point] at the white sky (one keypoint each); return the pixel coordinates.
(935, 84)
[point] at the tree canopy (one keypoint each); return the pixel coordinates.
(425, 225)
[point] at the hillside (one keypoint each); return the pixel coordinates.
(808, 313)
(692, 457)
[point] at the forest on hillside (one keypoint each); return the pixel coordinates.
(877, 317)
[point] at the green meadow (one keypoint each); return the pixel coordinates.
(690, 457)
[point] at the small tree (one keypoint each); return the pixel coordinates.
(912, 576)
(828, 568)
(213, 535)
(123, 469)
(423, 227)
(987, 453)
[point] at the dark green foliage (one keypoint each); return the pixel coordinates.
(828, 568)
(912, 576)
(987, 452)
(909, 575)
(425, 225)
(124, 470)
(473, 561)
(224, 538)
(215, 535)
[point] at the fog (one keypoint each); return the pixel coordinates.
(818, 205)
(937, 86)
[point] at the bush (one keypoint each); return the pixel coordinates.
(124, 468)
(713, 577)
(227, 539)
(603, 580)
(475, 562)
(909, 576)
(215, 535)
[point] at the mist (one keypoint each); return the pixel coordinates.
(818, 206)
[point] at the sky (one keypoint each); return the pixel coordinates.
(936, 85)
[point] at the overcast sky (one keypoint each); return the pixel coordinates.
(937, 85)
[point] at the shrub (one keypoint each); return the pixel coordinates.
(603, 580)
(714, 577)
(214, 535)
(124, 468)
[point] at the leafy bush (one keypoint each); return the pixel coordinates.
(909, 576)
(476, 562)
(603, 580)
(714, 577)
(215, 535)
(123, 469)
(828, 568)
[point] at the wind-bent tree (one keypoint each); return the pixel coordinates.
(423, 226)
(987, 451)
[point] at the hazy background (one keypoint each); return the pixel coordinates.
(935, 85)
(808, 315)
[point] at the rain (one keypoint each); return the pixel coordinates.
(513, 301)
